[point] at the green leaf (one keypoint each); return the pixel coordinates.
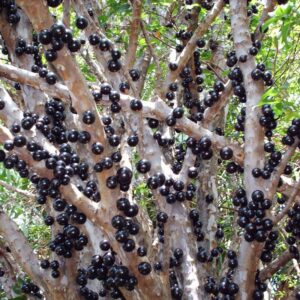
(285, 28)
(272, 20)
(102, 19)
(23, 297)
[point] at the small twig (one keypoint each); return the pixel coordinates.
(97, 72)
(269, 7)
(228, 208)
(288, 204)
(142, 64)
(280, 169)
(14, 189)
(158, 74)
(213, 69)
(159, 39)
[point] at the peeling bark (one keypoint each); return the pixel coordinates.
(8, 281)
(249, 253)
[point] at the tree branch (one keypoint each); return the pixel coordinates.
(95, 68)
(287, 187)
(159, 110)
(20, 248)
(254, 141)
(156, 108)
(213, 113)
(32, 79)
(82, 99)
(142, 64)
(185, 55)
(265, 15)
(275, 265)
(288, 204)
(103, 57)
(12, 188)
(148, 285)
(158, 72)
(273, 183)
(134, 33)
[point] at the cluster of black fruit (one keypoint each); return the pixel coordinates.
(176, 291)
(270, 245)
(107, 93)
(268, 120)
(196, 107)
(58, 35)
(12, 161)
(70, 238)
(160, 139)
(55, 38)
(125, 226)
(27, 287)
(240, 125)
(260, 288)
(105, 269)
(174, 190)
(53, 265)
(64, 166)
(180, 152)
(236, 76)
(252, 215)
(206, 4)
(226, 288)
(202, 255)
(113, 64)
(11, 11)
(293, 228)
(260, 73)
(161, 219)
(31, 289)
(194, 215)
(293, 132)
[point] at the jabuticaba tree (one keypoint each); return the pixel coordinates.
(102, 99)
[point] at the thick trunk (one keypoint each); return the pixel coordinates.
(249, 254)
